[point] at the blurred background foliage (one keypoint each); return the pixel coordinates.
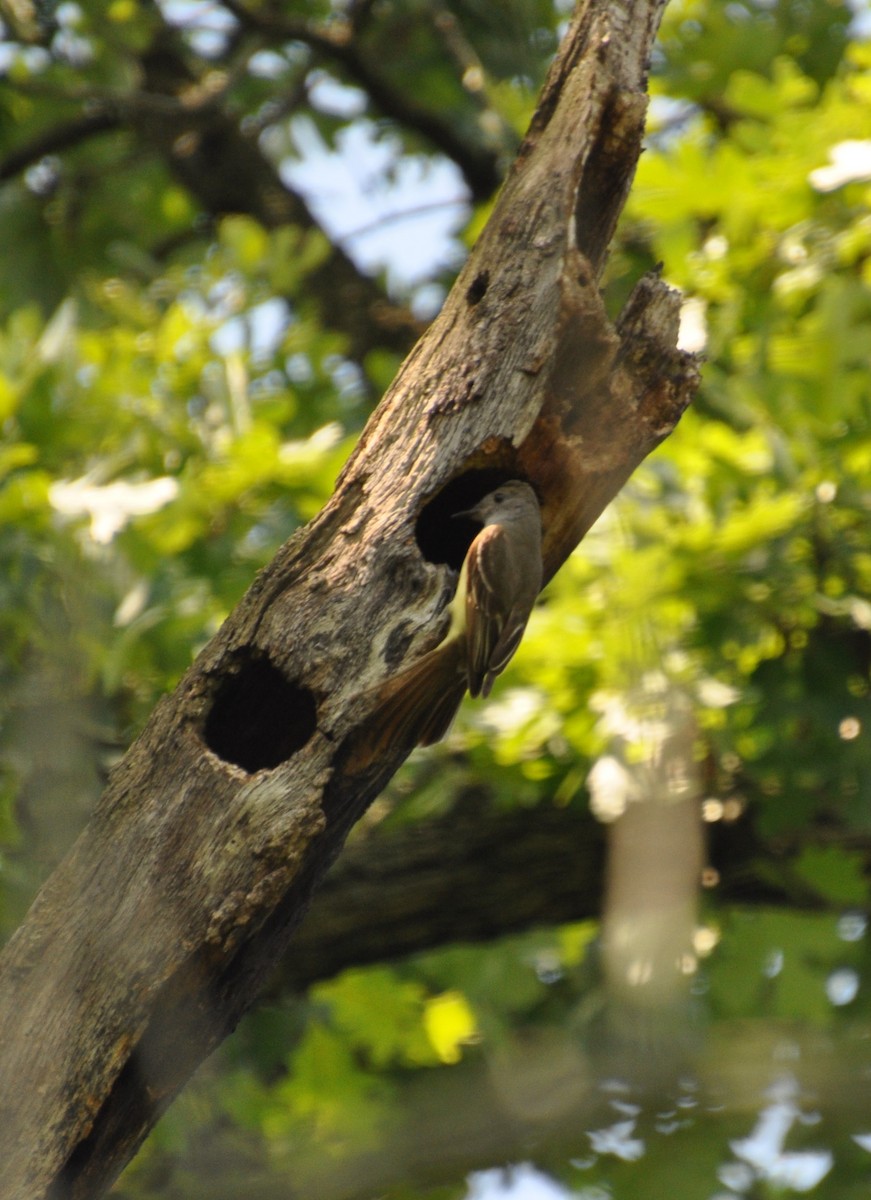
(198, 310)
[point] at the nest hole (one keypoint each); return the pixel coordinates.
(442, 538)
(259, 718)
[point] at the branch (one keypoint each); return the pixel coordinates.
(471, 876)
(479, 873)
(157, 932)
(56, 140)
(479, 165)
(227, 172)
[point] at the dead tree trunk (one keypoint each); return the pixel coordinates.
(153, 937)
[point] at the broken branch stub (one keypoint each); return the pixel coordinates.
(158, 930)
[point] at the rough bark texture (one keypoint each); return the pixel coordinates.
(156, 933)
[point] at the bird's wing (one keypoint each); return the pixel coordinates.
(488, 598)
(502, 653)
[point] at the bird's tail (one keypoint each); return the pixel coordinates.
(416, 707)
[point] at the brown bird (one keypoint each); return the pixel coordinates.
(498, 586)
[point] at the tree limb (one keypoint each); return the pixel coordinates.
(472, 875)
(478, 163)
(479, 873)
(56, 140)
(200, 142)
(156, 933)
(227, 172)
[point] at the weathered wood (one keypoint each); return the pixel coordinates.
(153, 937)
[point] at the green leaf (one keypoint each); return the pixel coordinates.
(836, 875)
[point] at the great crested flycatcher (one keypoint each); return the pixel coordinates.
(499, 582)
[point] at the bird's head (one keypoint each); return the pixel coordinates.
(509, 500)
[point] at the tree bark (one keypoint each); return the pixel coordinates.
(156, 933)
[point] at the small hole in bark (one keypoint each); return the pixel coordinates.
(441, 538)
(259, 718)
(478, 288)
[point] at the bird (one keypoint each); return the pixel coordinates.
(499, 583)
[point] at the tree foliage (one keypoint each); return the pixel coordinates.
(188, 348)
